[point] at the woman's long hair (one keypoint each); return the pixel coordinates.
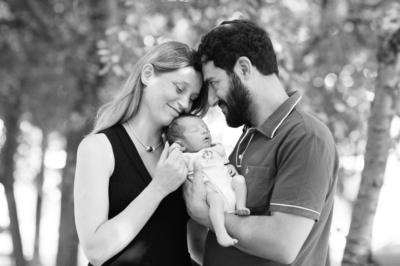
(166, 57)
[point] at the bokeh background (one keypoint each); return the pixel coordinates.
(60, 59)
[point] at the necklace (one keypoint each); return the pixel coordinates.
(147, 148)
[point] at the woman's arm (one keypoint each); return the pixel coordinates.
(101, 238)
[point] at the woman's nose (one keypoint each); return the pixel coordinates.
(184, 103)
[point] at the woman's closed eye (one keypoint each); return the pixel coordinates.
(178, 90)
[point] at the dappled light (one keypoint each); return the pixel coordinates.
(60, 60)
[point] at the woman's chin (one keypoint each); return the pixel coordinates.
(166, 120)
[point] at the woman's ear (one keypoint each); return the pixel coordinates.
(243, 67)
(147, 73)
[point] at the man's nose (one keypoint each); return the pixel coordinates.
(212, 98)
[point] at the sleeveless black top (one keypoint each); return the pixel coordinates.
(162, 241)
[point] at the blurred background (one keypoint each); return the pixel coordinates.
(60, 59)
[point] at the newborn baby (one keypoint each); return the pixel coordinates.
(226, 189)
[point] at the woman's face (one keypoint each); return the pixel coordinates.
(169, 94)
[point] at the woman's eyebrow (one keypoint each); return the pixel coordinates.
(181, 83)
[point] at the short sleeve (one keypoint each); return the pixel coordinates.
(303, 178)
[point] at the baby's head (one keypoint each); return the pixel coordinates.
(190, 131)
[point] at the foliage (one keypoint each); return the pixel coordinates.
(326, 49)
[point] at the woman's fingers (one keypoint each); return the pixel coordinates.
(165, 153)
(177, 145)
(174, 154)
(164, 138)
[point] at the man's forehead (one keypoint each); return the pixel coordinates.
(210, 70)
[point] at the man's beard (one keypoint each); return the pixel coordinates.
(239, 104)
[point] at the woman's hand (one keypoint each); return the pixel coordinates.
(171, 169)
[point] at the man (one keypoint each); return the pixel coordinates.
(288, 157)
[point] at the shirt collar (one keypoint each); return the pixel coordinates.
(273, 122)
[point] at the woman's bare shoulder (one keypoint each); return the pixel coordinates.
(95, 143)
(97, 149)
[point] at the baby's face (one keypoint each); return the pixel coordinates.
(196, 134)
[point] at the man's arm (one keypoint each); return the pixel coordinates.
(278, 237)
(196, 239)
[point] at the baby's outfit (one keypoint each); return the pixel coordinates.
(213, 161)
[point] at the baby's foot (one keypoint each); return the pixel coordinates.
(225, 240)
(243, 211)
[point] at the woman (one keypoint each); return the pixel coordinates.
(128, 208)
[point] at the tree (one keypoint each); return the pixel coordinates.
(60, 72)
(59, 57)
(11, 123)
(11, 108)
(383, 108)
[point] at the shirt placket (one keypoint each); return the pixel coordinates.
(243, 145)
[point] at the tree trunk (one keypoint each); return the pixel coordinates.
(68, 240)
(39, 185)
(358, 247)
(89, 82)
(8, 151)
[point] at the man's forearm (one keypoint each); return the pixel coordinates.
(278, 237)
(254, 235)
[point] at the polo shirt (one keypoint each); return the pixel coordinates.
(290, 164)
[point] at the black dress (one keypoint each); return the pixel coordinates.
(162, 241)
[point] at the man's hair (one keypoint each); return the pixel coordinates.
(175, 131)
(233, 39)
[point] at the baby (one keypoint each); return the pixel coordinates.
(226, 189)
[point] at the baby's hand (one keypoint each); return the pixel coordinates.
(231, 170)
(177, 145)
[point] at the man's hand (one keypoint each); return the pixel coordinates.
(194, 193)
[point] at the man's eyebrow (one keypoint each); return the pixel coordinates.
(208, 80)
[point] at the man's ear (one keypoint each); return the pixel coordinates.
(147, 73)
(243, 67)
